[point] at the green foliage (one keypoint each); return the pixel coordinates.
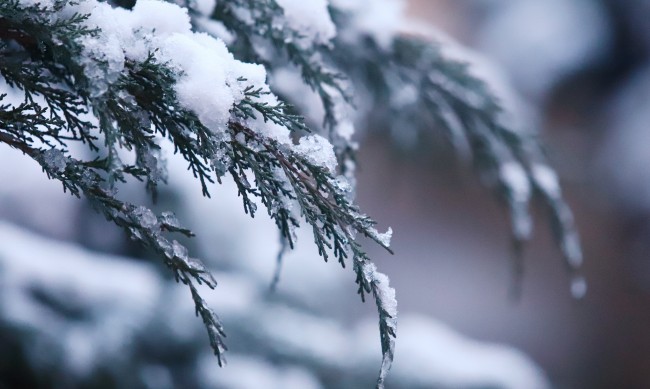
(137, 111)
(42, 56)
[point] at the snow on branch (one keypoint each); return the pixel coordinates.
(120, 79)
(194, 73)
(300, 33)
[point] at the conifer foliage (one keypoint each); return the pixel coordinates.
(121, 78)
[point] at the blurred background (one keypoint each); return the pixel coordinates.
(580, 68)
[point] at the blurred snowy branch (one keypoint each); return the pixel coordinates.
(82, 318)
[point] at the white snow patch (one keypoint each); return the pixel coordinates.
(209, 78)
(299, 333)
(202, 83)
(27, 258)
(546, 179)
(309, 18)
(433, 353)
(515, 178)
(385, 237)
(385, 293)
(246, 372)
(288, 82)
(55, 160)
(205, 7)
(318, 151)
(119, 295)
(159, 18)
(216, 29)
(429, 354)
(379, 19)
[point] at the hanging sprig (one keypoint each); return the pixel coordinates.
(417, 89)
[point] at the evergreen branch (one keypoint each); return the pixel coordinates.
(139, 106)
(331, 86)
(43, 67)
(139, 222)
(72, 94)
(441, 92)
(276, 113)
(325, 206)
(279, 259)
(27, 122)
(212, 323)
